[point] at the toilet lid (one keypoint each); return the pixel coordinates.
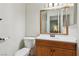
(22, 52)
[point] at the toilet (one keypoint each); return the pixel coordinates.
(23, 52)
(29, 43)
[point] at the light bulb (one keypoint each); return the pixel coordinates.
(50, 4)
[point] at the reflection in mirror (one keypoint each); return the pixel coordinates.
(54, 24)
(56, 21)
(43, 22)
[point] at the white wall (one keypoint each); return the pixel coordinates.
(33, 18)
(12, 26)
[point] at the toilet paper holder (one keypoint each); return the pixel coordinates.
(2, 38)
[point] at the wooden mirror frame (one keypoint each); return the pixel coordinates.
(66, 28)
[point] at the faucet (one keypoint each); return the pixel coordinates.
(52, 35)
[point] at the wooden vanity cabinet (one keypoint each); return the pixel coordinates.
(54, 48)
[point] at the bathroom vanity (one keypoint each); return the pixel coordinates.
(56, 22)
(55, 47)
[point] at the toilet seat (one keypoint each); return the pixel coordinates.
(23, 52)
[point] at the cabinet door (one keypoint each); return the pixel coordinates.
(42, 51)
(62, 52)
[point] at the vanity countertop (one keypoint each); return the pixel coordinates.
(64, 38)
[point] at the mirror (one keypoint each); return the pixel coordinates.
(56, 20)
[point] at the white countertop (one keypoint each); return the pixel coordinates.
(64, 38)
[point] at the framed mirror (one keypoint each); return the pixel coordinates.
(55, 20)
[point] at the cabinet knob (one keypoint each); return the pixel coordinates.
(53, 50)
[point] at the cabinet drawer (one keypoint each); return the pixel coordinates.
(63, 52)
(59, 44)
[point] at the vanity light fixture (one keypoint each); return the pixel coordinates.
(53, 4)
(59, 4)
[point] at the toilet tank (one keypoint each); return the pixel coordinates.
(29, 42)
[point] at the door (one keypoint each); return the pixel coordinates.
(42, 51)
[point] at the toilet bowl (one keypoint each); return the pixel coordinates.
(29, 42)
(23, 52)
